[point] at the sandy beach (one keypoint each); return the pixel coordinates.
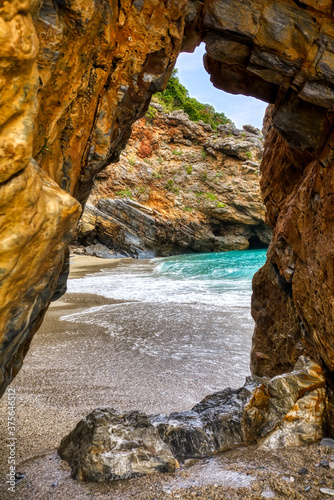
(63, 379)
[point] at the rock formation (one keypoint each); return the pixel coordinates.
(77, 73)
(179, 187)
(284, 411)
(108, 445)
(75, 76)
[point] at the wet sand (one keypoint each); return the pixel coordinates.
(63, 379)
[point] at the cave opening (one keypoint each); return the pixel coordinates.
(240, 109)
(256, 244)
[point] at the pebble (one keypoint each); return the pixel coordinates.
(327, 442)
(19, 476)
(324, 463)
(331, 465)
(307, 488)
(303, 470)
(292, 479)
(54, 484)
(327, 491)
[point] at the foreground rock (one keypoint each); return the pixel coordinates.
(179, 187)
(284, 411)
(76, 76)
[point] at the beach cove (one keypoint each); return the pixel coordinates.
(127, 375)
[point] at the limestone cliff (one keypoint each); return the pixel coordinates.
(179, 187)
(75, 76)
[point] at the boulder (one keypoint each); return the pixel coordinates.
(108, 445)
(284, 411)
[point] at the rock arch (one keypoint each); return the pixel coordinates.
(70, 96)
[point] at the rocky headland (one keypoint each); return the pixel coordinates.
(179, 187)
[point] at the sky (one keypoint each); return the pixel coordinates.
(240, 109)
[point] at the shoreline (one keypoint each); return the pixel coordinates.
(53, 395)
(81, 265)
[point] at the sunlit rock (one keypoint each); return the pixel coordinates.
(179, 187)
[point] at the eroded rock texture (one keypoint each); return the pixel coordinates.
(283, 53)
(36, 216)
(109, 445)
(98, 63)
(179, 187)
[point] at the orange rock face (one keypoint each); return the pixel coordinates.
(74, 76)
(298, 277)
(179, 187)
(99, 63)
(283, 53)
(36, 216)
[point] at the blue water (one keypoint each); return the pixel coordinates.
(180, 328)
(221, 279)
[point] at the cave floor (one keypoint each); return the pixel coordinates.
(45, 414)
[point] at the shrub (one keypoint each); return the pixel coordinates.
(124, 194)
(249, 154)
(160, 160)
(220, 205)
(187, 209)
(189, 169)
(150, 114)
(176, 96)
(204, 176)
(131, 160)
(171, 187)
(203, 153)
(176, 152)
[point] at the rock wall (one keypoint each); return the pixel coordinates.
(75, 75)
(179, 187)
(283, 53)
(67, 110)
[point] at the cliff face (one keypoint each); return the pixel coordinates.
(179, 187)
(77, 73)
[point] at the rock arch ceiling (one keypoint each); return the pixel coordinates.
(77, 73)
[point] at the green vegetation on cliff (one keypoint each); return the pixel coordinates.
(176, 96)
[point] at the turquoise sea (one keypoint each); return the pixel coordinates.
(222, 279)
